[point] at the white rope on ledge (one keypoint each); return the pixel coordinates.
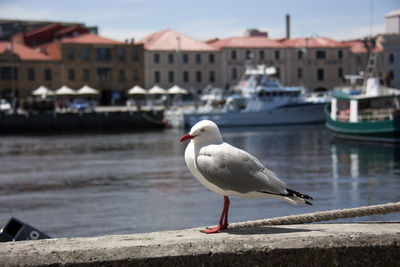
(323, 216)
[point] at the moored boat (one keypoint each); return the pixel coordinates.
(371, 113)
(260, 99)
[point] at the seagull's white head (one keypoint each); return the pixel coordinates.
(204, 131)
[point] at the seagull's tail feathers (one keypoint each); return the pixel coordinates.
(293, 197)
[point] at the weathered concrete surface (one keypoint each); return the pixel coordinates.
(361, 244)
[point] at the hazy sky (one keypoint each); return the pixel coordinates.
(205, 19)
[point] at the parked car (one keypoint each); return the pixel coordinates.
(5, 107)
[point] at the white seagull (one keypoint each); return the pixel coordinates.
(230, 171)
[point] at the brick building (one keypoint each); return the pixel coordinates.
(23, 69)
(110, 66)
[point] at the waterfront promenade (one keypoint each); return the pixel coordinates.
(367, 244)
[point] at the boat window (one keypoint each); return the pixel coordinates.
(273, 93)
(280, 93)
(268, 94)
(343, 110)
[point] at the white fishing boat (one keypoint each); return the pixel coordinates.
(260, 99)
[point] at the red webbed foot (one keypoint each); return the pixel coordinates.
(214, 230)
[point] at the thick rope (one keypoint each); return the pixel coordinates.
(323, 216)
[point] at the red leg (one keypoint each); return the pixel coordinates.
(226, 206)
(223, 221)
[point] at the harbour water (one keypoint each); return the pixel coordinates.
(90, 185)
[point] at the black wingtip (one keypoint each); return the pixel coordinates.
(298, 194)
(292, 193)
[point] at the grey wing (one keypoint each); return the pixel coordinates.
(234, 169)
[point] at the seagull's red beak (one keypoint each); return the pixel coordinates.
(187, 137)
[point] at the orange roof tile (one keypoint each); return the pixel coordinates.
(171, 40)
(312, 42)
(358, 47)
(89, 38)
(249, 42)
(24, 52)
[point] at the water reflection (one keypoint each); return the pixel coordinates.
(364, 166)
(87, 185)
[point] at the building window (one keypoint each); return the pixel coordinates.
(170, 58)
(300, 54)
(85, 54)
(157, 78)
(340, 73)
(234, 73)
(121, 75)
(320, 75)
(299, 73)
(211, 58)
(170, 76)
(86, 75)
(70, 53)
(391, 58)
(340, 54)
(198, 58)
(278, 73)
(277, 55)
(391, 74)
(103, 54)
(104, 74)
(47, 74)
(31, 74)
(135, 75)
(212, 76)
(121, 54)
(71, 74)
(186, 76)
(320, 54)
(198, 76)
(9, 73)
(185, 58)
(233, 55)
(262, 55)
(156, 58)
(248, 55)
(358, 60)
(135, 55)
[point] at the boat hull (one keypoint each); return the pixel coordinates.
(381, 131)
(295, 114)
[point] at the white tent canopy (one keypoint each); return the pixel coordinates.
(87, 90)
(157, 90)
(177, 90)
(65, 90)
(137, 90)
(42, 91)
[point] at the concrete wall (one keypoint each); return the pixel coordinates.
(355, 244)
(86, 122)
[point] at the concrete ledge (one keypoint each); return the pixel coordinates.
(364, 244)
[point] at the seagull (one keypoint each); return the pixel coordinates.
(230, 171)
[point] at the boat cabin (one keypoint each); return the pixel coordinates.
(375, 104)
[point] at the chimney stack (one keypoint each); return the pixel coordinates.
(287, 26)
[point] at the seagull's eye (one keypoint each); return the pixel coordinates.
(202, 130)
